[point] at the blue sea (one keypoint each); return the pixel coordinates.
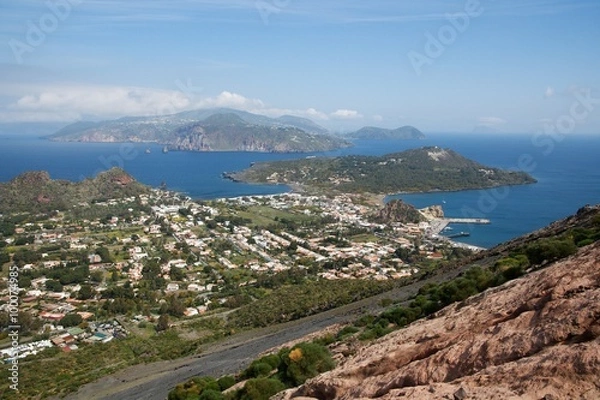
(567, 170)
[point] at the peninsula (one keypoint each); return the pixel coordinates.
(418, 170)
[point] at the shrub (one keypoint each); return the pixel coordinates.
(550, 250)
(258, 369)
(261, 389)
(211, 394)
(346, 331)
(304, 361)
(226, 382)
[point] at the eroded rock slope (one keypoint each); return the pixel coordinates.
(533, 338)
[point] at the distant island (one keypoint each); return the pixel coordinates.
(418, 170)
(374, 133)
(219, 129)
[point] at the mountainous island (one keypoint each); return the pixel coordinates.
(375, 133)
(209, 130)
(417, 170)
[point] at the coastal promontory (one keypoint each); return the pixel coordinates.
(418, 170)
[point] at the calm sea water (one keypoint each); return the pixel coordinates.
(568, 173)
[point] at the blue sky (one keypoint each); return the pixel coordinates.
(442, 66)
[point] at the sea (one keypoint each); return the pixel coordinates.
(566, 167)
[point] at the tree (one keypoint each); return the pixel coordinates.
(85, 293)
(54, 286)
(104, 254)
(176, 308)
(163, 323)
(97, 276)
(71, 320)
(4, 257)
(176, 274)
(115, 276)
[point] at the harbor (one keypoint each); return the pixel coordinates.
(438, 227)
(440, 224)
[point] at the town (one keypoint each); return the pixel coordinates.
(106, 270)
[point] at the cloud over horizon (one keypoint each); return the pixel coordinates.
(69, 103)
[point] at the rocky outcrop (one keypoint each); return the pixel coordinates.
(398, 211)
(432, 212)
(533, 338)
(36, 191)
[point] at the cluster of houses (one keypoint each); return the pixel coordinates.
(260, 250)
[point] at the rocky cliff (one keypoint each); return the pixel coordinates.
(398, 211)
(533, 338)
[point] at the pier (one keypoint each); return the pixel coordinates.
(439, 224)
(482, 221)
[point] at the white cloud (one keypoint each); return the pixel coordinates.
(231, 100)
(549, 92)
(377, 118)
(77, 102)
(491, 121)
(346, 114)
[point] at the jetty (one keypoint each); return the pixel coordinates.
(439, 224)
(483, 221)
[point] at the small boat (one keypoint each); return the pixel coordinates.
(165, 149)
(147, 151)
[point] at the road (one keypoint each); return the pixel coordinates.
(154, 381)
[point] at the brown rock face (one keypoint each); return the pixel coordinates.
(398, 211)
(536, 337)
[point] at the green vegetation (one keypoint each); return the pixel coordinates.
(36, 191)
(433, 297)
(288, 303)
(264, 377)
(371, 132)
(53, 372)
(417, 170)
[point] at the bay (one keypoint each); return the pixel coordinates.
(567, 171)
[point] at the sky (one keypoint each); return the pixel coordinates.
(473, 66)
